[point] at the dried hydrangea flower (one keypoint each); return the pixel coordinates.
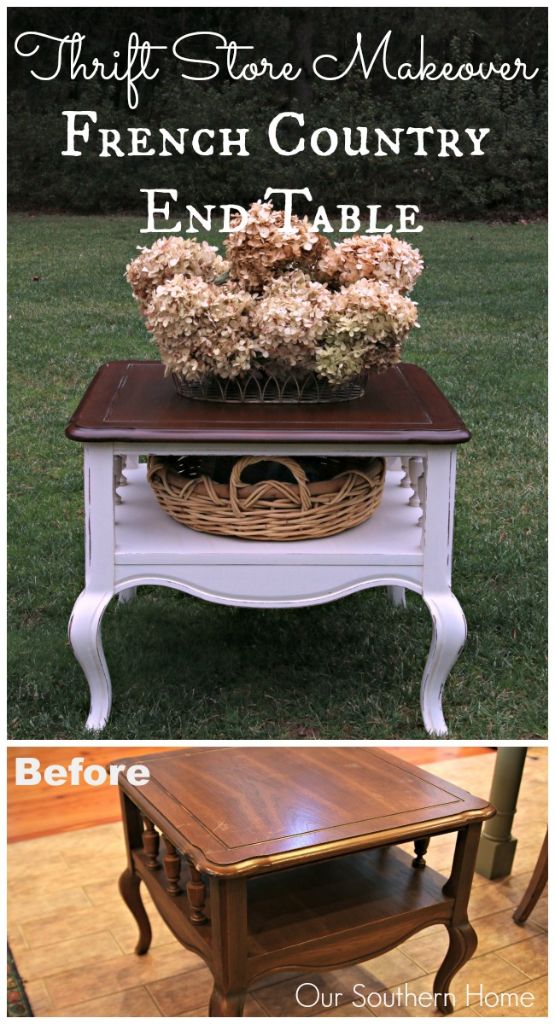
(376, 258)
(262, 249)
(290, 319)
(341, 360)
(368, 322)
(271, 314)
(201, 329)
(168, 257)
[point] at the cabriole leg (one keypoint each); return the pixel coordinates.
(462, 937)
(138, 833)
(535, 888)
(462, 943)
(86, 640)
(448, 637)
(129, 887)
(84, 626)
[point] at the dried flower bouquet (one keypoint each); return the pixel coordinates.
(284, 303)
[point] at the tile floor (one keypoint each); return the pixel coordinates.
(73, 938)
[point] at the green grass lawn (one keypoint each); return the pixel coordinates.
(182, 668)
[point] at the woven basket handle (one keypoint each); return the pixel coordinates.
(298, 472)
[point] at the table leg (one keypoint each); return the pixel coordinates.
(228, 900)
(130, 882)
(448, 637)
(226, 1004)
(535, 888)
(397, 596)
(84, 626)
(129, 887)
(437, 500)
(462, 944)
(86, 640)
(462, 937)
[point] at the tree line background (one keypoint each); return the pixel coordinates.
(509, 181)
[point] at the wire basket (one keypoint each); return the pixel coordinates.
(272, 509)
(258, 387)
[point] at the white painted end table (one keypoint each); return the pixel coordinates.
(130, 410)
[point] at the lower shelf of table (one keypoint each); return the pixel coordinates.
(338, 911)
(146, 535)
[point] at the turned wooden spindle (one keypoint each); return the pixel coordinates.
(118, 476)
(405, 464)
(196, 894)
(416, 471)
(122, 468)
(422, 485)
(420, 848)
(151, 843)
(172, 867)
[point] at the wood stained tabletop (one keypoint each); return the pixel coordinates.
(134, 401)
(249, 810)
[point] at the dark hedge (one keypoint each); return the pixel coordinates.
(509, 180)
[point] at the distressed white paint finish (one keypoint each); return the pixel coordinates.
(448, 637)
(397, 596)
(448, 621)
(406, 545)
(416, 472)
(405, 466)
(258, 587)
(86, 639)
(119, 479)
(145, 534)
(99, 518)
(86, 617)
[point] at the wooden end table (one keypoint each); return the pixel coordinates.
(286, 859)
(131, 409)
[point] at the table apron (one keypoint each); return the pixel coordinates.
(345, 449)
(353, 946)
(253, 586)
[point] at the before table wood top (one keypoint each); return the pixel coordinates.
(134, 401)
(247, 810)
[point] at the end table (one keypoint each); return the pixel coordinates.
(288, 860)
(130, 409)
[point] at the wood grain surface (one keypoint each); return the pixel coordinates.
(133, 401)
(244, 810)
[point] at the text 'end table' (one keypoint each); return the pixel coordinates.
(131, 410)
(288, 860)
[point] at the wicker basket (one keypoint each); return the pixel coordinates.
(271, 509)
(256, 388)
